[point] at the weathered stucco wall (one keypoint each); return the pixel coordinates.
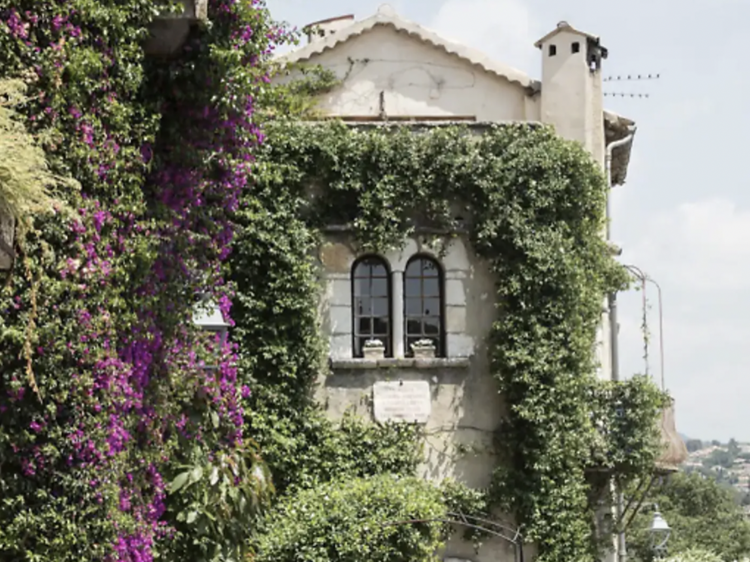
(465, 407)
(416, 79)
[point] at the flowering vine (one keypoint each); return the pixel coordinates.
(128, 393)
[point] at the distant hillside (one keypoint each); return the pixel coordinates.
(728, 464)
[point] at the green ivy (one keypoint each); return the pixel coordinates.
(381, 519)
(629, 440)
(535, 208)
(276, 315)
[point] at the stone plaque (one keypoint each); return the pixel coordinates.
(402, 401)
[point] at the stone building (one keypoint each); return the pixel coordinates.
(394, 70)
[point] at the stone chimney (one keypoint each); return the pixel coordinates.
(324, 28)
(572, 99)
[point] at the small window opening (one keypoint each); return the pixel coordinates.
(552, 50)
(372, 303)
(423, 304)
(575, 47)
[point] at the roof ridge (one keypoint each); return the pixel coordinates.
(383, 17)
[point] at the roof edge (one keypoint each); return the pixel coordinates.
(564, 26)
(423, 34)
(330, 20)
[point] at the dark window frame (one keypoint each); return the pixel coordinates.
(441, 350)
(357, 351)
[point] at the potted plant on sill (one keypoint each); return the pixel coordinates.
(423, 349)
(374, 349)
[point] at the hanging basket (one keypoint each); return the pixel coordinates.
(674, 450)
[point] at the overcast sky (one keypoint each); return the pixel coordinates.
(684, 215)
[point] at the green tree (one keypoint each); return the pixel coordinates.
(703, 515)
(694, 445)
(720, 457)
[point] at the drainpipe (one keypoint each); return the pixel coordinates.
(622, 552)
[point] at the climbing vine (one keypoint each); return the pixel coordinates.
(121, 425)
(533, 205)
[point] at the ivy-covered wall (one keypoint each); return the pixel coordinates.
(104, 394)
(116, 442)
(536, 204)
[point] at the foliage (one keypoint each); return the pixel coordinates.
(695, 555)
(213, 502)
(720, 457)
(536, 206)
(104, 394)
(25, 180)
(348, 520)
(626, 413)
(466, 502)
(702, 514)
(277, 319)
(295, 95)
(275, 309)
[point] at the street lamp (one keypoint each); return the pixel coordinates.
(659, 532)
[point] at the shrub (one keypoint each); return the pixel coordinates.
(379, 519)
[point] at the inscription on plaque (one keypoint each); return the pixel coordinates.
(402, 401)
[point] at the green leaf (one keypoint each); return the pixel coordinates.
(196, 474)
(179, 481)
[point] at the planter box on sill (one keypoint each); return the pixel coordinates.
(423, 349)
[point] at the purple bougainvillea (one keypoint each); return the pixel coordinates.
(105, 388)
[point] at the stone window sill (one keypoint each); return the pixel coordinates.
(402, 363)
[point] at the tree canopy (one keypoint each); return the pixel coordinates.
(702, 514)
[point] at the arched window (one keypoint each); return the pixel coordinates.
(372, 303)
(423, 303)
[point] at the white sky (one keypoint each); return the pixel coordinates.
(684, 215)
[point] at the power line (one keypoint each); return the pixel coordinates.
(625, 95)
(631, 77)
